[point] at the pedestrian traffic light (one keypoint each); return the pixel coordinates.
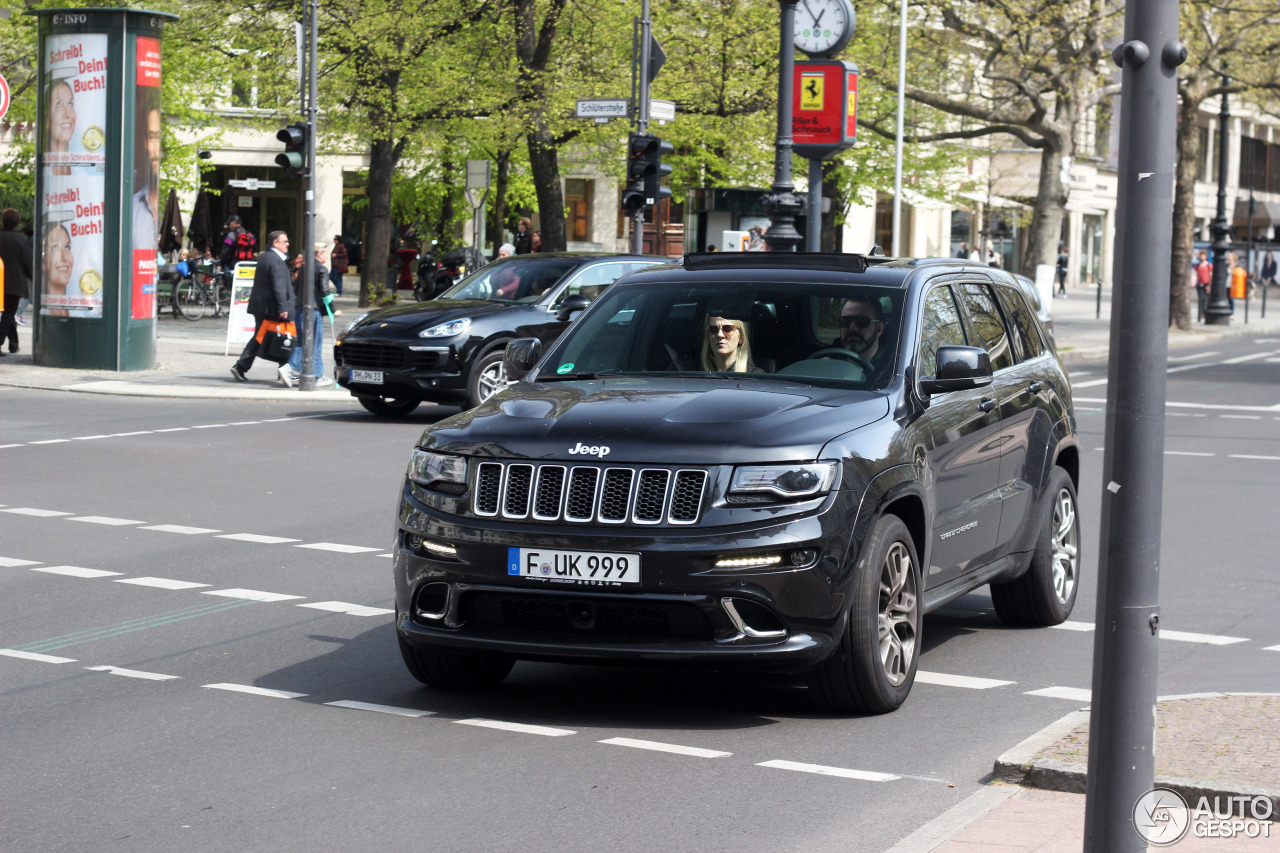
(295, 138)
(645, 171)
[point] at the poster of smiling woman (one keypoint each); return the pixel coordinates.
(74, 109)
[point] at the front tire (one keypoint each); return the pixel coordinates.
(450, 670)
(487, 378)
(389, 407)
(874, 667)
(189, 300)
(1046, 592)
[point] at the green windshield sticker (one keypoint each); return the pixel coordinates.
(565, 368)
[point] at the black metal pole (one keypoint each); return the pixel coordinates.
(813, 231)
(642, 116)
(1248, 258)
(782, 204)
(1218, 310)
(307, 311)
(1122, 721)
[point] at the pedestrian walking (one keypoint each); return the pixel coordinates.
(523, 240)
(270, 299)
(341, 263)
(15, 252)
(1204, 278)
(1268, 273)
(289, 373)
(1063, 260)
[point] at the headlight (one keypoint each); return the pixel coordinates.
(355, 322)
(434, 469)
(799, 480)
(447, 330)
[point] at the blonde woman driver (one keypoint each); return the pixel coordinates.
(725, 348)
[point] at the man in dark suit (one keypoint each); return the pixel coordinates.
(15, 253)
(270, 299)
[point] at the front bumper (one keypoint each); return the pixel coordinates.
(685, 611)
(420, 371)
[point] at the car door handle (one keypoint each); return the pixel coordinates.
(1036, 387)
(987, 404)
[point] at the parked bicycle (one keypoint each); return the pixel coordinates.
(200, 292)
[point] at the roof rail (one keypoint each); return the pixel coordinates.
(809, 260)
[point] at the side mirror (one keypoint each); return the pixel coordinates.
(958, 368)
(576, 302)
(520, 356)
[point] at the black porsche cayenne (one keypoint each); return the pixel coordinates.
(449, 349)
(749, 460)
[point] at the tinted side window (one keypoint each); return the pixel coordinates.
(988, 325)
(939, 327)
(1022, 321)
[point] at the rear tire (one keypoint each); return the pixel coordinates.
(188, 300)
(1046, 592)
(389, 407)
(874, 667)
(450, 670)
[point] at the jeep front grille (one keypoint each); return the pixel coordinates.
(586, 494)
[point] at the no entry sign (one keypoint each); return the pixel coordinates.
(4, 96)
(824, 110)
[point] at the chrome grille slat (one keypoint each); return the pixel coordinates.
(585, 494)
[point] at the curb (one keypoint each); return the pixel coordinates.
(124, 388)
(1019, 766)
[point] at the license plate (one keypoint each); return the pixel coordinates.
(574, 568)
(372, 377)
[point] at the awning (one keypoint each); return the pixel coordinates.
(993, 200)
(1263, 211)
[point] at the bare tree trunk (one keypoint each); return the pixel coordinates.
(444, 228)
(383, 155)
(1184, 211)
(545, 166)
(1051, 204)
(500, 198)
(533, 50)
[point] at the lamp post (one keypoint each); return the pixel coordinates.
(1218, 311)
(782, 204)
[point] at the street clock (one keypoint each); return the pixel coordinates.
(823, 27)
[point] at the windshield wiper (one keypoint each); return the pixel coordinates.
(560, 377)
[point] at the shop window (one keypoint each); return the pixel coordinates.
(578, 197)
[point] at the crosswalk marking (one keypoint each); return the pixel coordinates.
(948, 680)
(256, 691)
(132, 673)
(179, 528)
(14, 653)
(161, 583)
(350, 609)
(1074, 693)
(250, 594)
(381, 709)
(520, 728)
(658, 746)
(823, 770)
(76, 572)
(102, 519)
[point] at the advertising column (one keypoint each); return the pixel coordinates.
(97, 187)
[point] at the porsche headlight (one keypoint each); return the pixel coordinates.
(355, 322)
(451, 329)
(789, 482)
(435, 469)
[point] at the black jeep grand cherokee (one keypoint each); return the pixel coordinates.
(749, 460)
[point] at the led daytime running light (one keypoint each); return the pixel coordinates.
(754, 561)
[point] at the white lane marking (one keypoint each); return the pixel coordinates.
(178, 528)
(842, 772)
(127, 434)
(658, 746)
(386, 555)
(1187, 453)
(1242, 417)
(77, 572)
(14, 653)
(381, 709)
(1074, 626)
(1250, 456)
(1089, 384)
(89, 437)
(1241, 359)
(251, 594)
(1077, 694)
(174, 429)
(521, 728)
(243, 423)
(254, 537)
(341, 549)
(51, 441)
(13, 562)
(1272, 649)
(132, 673)
(102, 519)
(161, 583)
(3, 446)
(350, 609)
(1206, 406)
(1193, 357)
(208, 426)
(948, 680)
(1191, 637)
(256, 691)
(38, 513)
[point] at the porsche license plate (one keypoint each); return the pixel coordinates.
(574, 568)
(369, 377)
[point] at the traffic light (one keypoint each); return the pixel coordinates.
(295, 138)
(645, 171)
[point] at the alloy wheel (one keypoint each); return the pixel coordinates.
(1065, 545)
(898, 615)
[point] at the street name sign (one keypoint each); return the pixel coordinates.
(662, 110)
(601, 108)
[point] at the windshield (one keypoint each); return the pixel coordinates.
(522, 279)
(837, 335)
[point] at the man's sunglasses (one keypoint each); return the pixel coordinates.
(727, 328)
(859, 320)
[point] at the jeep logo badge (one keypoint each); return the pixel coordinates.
(597, 451)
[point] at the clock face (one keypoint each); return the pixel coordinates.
(823, 26)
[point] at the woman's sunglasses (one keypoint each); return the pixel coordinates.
(859, 320)
(727, 328)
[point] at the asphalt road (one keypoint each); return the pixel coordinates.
(198, 651)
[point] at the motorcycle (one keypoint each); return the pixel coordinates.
(435, 277)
